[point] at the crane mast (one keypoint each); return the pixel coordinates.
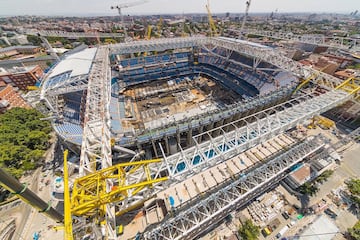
(125, 5)
(213, 29)
(24, 193)
(248, 3)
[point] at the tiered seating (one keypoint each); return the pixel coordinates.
(70, 132)
(71, 110)
(255, 78)
(115, 115)
(57, 79)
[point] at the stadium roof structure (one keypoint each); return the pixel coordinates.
(79, 63)
(94, 76)
(68, 75)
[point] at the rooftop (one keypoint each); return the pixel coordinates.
(301, 174)
(78, 63)
(321, 229)
(6, 49)
(15, 70)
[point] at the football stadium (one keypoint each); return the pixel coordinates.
(174, 134)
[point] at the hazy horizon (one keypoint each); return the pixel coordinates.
(161, 13)
(102, 8)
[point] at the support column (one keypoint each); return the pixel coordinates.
(154, 148)
(167, 145)
(218, 124)
(189, 140)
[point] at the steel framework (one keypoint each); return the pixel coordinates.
(248, 132)
(345, 43)
(188, 223)
(276, 59)
(336, 42)
(90, 193)
(161, 44)
(74, 35)
(69, 85)
(209, 117)
(96, 148)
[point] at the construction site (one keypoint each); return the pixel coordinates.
(171, 143)
(169, 136)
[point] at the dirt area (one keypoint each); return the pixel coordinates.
(164, 98)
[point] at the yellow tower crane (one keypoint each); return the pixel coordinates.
(213, 29)
(90, 194)
(309, 79)
(159, 27)
(149, 29)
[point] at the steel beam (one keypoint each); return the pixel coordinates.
(161, 44)
(95, 148)
(248, 133)
(345, 43)
(73, 35)
(188, 223)
(22, 191)
(275, 58)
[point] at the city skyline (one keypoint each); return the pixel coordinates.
(94, 7)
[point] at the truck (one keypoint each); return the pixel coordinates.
(282, 231)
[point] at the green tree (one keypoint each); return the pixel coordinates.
(35, 40)
(23, 140)
(354, 232)
(37, 140)
(324, 176)
(308, 189)
(35, 156)
(249, 231)
(354, 188)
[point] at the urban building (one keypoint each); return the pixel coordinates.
(21, 77)
(10, 97)
(300, 176)
(16, 50)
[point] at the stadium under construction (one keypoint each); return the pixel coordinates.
(211, 114)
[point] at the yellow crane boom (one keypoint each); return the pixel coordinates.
(89, 192)
(213, 30)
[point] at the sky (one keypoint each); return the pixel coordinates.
(102, 7)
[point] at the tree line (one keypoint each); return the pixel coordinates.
(23, 140)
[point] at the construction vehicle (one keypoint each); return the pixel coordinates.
(322, 122)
